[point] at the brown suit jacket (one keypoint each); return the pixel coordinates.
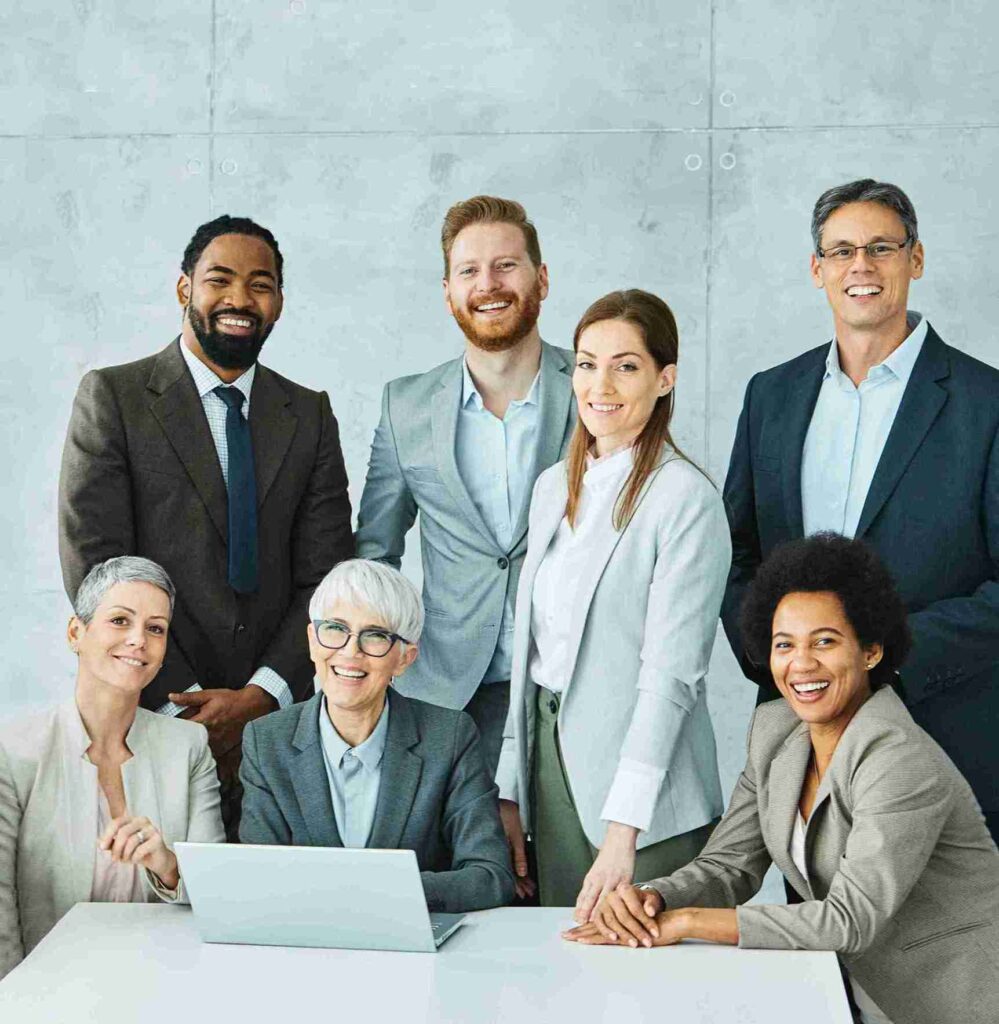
(140, 475)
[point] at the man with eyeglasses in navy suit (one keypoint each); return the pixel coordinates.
(890, 435)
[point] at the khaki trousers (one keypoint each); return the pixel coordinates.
(564, 854)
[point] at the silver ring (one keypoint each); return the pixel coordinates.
(142, 836)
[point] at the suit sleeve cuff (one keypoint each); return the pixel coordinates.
(267, 679)
(632, 797)
(175, 709)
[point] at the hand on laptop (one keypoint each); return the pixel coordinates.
(135, 840)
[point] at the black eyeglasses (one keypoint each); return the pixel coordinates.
(375, 643)
(876, 251)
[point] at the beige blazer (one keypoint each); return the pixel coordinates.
(48, 811)
(633, 721)
(903, 874)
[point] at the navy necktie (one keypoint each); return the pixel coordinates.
(242, 495)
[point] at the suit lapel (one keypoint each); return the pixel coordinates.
(444, 408)
(799, 404)
(309, 779)
(786, 777)
(176, 406)
(76, 795)
(138, 776)
(597, 561)
(400, 778)
(272, 426)
(555, 405)
(921, 403)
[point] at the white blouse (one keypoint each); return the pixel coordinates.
(563, 566)
(870, 1012)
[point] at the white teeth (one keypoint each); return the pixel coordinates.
(492, 305)
(233, 322)
(131, 661)
(809, 687)
(864, 289)
(349, 673)
(603, 408)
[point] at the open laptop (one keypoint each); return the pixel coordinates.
(311, 896)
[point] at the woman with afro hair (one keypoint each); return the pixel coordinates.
(867, 818)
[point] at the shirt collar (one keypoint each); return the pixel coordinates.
(900, 362)
(369, 753)
(206, 380)
(470, 396)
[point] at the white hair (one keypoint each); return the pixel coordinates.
(123, 569)
(366, 584)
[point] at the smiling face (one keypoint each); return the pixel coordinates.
(493, 289)
(124, 644)
(352, 680)
(818, 664)
(617, 383)
(866, 294)
(231, 301)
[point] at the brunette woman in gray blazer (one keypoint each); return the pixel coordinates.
(95, 791)
(864, 814)
(608, 754)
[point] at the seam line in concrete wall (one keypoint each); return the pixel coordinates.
(709, 240)
(211, 115)
(97, 136)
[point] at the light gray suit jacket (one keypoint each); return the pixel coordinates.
(467, 575)
(435, 798)
(633, 719)
(48, 811)
(903, 874)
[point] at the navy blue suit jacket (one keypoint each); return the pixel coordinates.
(932, 514)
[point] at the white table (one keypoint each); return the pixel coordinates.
(144, 964)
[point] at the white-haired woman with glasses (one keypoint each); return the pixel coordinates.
(360, 765)
(95, 791)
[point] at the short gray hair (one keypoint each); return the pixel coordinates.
(865, 190)
(123, 569)
(367, 584)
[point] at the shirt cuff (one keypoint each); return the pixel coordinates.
(633, 794)
(267, 679)
(175, 709)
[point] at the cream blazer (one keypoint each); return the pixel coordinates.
(633, 719)
(903, 874)
(48, 811)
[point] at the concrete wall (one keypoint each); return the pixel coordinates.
(675, 146)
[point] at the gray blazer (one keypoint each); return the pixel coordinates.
(435, 798)
(633, 721)
(904, 876)
(48, 811)
(467, 576)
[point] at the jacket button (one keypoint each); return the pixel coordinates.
(240, 628)
(552, 706)
(502, 562)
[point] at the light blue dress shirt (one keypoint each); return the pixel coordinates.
(354, 775)
(495, 459)
(205, 381)
(847, 434)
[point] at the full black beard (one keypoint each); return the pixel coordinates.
(224, 350)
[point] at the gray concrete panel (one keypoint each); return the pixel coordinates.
(94, 67)
(448, 67)
(91, 236)
(764, 307)
(787, 63)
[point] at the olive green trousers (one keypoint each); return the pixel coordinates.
(564, 854)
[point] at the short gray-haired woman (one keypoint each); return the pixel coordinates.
(360, 765)
(95, 792)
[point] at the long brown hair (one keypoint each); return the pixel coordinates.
(655, 320)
